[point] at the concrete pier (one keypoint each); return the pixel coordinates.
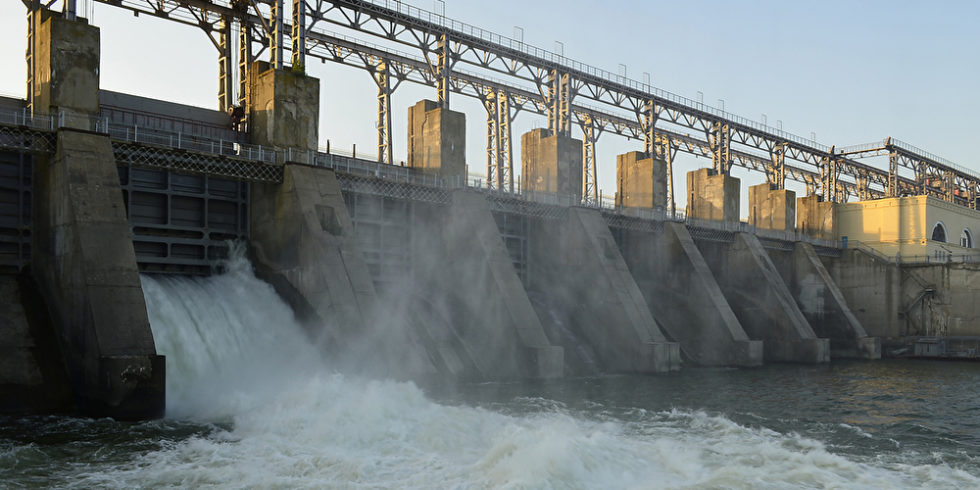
(685, 298)
(816, 217)
(437, 141)
(301, 238)
(641, 181)
(575, 261)
(712, 196)
(551, 164)
(823, 304)
(488, 306)
(284, 109)
(772, 209)
(83, 256)
(762, 302)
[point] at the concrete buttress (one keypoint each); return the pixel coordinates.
(303, 242)
(85, 265)
(577, 263)
(823, 304)
(83, 258)
(686, 299)
(492, 314)
(763, 304)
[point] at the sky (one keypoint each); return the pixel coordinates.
(849, 71)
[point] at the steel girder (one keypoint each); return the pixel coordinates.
(934, 176)
(445, 43)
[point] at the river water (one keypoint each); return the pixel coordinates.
(251, 404)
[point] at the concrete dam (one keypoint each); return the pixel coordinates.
(404, 272)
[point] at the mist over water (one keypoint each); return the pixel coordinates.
(252, 404)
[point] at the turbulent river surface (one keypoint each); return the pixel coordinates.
(250, 404)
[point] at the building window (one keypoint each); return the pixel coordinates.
(939, 233)
(966, 238)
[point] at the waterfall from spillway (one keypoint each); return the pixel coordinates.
(279, 416)
(225, 337)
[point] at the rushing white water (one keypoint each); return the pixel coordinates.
(237, 358)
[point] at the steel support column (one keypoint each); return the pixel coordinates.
(776, 173)
(552, 101)
(892, 190)
(565, 97)
(862, 187)
(590, 191)
(33, 11)
(299, 35)
(720, 139)
(444, 70)
(648, 122)
(382, 78)
(275, 37)
(226, 67)
(493, 136)
(829, 170)
(500, 164)
(244, 59)
(504, 140)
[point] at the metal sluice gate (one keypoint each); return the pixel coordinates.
(181, 223)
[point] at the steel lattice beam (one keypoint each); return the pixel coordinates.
(444, 45)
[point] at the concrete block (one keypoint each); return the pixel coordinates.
(859, 348)
(659, 357)
(712, 196)
(437, 141)
(808, 351)
(284, 110)
(772, 209)
(545, 362)
(748, 353)
(66, 66)
(816, 218)
(86, 269)
(551, 164)
(686, 299)
(641, 181)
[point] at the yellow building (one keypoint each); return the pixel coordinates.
(910, 227)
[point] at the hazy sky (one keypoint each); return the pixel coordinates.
(851, 71)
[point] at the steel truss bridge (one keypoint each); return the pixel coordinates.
(396, 42)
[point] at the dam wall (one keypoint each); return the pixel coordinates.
(575, 263)
(762, 302)
(684, 296)
(396, 271)
(823, 304)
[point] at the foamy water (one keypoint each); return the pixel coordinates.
(264, 411)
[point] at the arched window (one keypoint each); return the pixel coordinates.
(939, 232)
(966, 238)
